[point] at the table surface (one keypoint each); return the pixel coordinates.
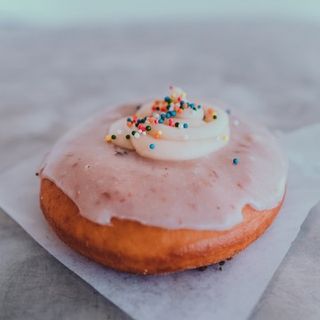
(50, 79)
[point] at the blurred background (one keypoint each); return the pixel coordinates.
(62, 60)
(99, 12)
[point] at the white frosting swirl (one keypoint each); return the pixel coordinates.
(188, 133)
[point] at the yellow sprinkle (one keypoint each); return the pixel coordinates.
(107, 138)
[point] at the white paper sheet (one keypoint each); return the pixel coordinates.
(228, 294)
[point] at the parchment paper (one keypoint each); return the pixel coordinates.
(230, 293)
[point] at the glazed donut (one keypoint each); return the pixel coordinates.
(172, 186)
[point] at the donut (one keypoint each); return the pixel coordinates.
(165, 186)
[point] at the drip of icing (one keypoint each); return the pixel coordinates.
(208, 193)
(177, 129)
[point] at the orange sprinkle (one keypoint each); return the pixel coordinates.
(158, 134)
(107, 138)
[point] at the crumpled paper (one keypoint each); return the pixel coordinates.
(230, 293)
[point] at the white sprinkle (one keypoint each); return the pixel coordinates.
(156, 115)
(180, 125)
(137, 135)
(144, 133)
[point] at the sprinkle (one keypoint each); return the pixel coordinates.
(107, 138)
(129, 119)
(168, 115)
(209, 115)
(128, 136)
(137, 135)
(214, 117)
(173, 113)
(133, 132)
(176, 124)
(167, 99)
(152, 146)
(148, 128)
(235, 161)
(180, 125)
(113, 137)
(185, 125)
(160, 120)
(158, 134)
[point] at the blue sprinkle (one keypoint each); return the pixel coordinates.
(160, 120)
(168, 115)
(129, 120)
(152, 146)
(173, 113)
(167, 99)
(185, 125)
(181, 103)
(162, 115)
(191, 105)
(235, 161)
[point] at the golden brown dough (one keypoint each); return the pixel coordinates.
(133, 247)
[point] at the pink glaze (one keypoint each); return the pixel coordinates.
(209, 193)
